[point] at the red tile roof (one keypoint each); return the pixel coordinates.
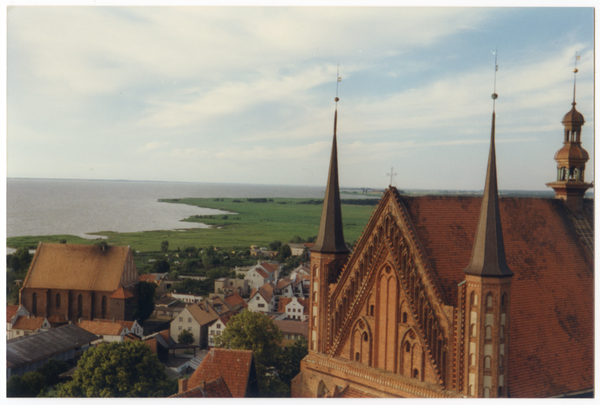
(127, 324)
(296, 327)
(234, 299)
(283, 301)
(149, 278)
(57, 318)
(11, 311)
(269, 267)
(203, 313)
(77, 267)
(551, 312)
(266, 291)
(213, 389)
(283, 282)
(121, 293)
(102, 328)
(262, 273)
(233, 365)
(28, 323)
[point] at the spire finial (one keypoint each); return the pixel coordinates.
(495, 96)
(577, 57)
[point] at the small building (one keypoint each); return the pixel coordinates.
(262, 300)
(294, 308)
(187, 298)
(292, 330)
(29, 353)
(230, 285)
(12, 313)
(107, 332)
(217, 328)
(297, 248)
(194, 318)
(261, 273)
(26, 325)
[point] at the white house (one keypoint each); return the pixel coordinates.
(12, 314)
(262, 300)
(195, 319)
(217, 328)
(187, 298)
(294, 308)
(261, 274)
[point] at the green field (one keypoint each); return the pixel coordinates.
(255, 223)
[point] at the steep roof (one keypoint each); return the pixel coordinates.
(11, 311)
(269, 267)
(298, 327)
(102, 328)
(266, 291)
(234, 299)
(128, 324)
(77, 267)
(36, 347)
(551, 311)
(283, 301)
(262, 273)
(331, 233)
(234, 366)
(29, 322)
(149, 278)
(283, 282)
(203, 313)
(121, 293)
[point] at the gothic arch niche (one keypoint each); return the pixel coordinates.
(321, 390)
(386, 318)
(405, 363)
(361, 344)
(371, 305)
(404, 313)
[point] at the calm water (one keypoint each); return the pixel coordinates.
(80, 207)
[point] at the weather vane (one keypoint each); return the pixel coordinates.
(495, 96)
(339, 79)
(391, 174)
(577, 57)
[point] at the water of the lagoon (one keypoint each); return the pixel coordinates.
(81, 207)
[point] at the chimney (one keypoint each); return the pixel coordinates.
(183, 385)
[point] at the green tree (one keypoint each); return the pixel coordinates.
(186, 338)
(164, 246)
(161, 266)
(284, 252)
(275, 245)
(289, 366)
(253, 331)
(119, 369)
(145, 301)
(52, 369)
(29, 385)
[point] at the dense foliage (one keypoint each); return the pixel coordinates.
(145, 301)
(120, 369)
(34, 384)
(186, 337)
(276, 366)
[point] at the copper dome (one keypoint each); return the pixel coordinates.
(572, 152)
(573, 117)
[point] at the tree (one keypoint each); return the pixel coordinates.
(145, 301)
(291, 358)
(119, 369)
(275, 245)
(161, 266)
(164, 246)
(253, 331)
(284, 252)
(52, 369)
(186, 338)
(29, 385)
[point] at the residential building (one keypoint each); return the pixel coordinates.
(195, 318)
(29, 353)
(216, 388)
(12, 313)
(217, 328)
(292, 330)
(297, 248)
(80, 282)
(294, 308)
(262, 300)
(230, 285)
(107, 332)
(261, 274)
(235, 367)
(187, 298)
(447, 296)
(25, 325)
(235, 302)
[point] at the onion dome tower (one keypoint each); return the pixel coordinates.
(570, 184)
(487, 294)
(328, 255)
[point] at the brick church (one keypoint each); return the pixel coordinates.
(457, 296)
(71, 282)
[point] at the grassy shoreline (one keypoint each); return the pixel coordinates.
(254, 223)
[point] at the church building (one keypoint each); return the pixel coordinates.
(80, 282)
(455, 296)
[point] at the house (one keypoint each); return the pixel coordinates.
(29, 353)
(284, 288)
(130, 326)
(294, 308)
(187, 298)
(262, 273)
(25, 325)
(292, 330)
(262, 300)
(235, 367)
(454, 296)
(230, 285)
(235, 302)
(217, 328)
(219, 305)
(297, 248)
(167, 308)
(80, 282)
(12, 312)
(303, 269)
(158, 342)
(194, 318)
(216, 388)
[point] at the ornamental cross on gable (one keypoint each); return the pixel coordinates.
(391, 174)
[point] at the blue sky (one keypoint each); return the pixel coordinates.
(245, 95)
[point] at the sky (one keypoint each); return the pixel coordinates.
(246, 94)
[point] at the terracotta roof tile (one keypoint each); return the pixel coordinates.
(213, 389)
(57, 318)
(234, 299)
(121, 293)
(203, 313)
(283, 282)
(29, 323)
(149, 278)
(77, 267)
(297, 327)
(262, 273)
(552, 294)
(270, 268)
(11, 311)
(234, 366)
(102, 328)
(266, 291)
(127, 324)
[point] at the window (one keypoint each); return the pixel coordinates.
(218, 326)
(357, 356)
(407, 347)
(57, 300)
(416, 373)
(189, 319)
(501, 331)
(289, 310)
(261, 305)
(489, 300)
(486, 392)
(473, 299)
(488, 332)
(488, 362)
(365, 337)
(212, 332)
(180, 319)
(472, 357)
(218, 332)
(372, 310)
(404, 317)
(501, 360)
(473, 330)
(180, 328)
(189, 328)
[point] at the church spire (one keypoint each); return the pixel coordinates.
(331, 233)
(488, 258)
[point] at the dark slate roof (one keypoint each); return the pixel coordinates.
(487, 257)
(36, 347)
(331, 234)
(551, 335)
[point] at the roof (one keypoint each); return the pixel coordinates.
(234, 366)
(262, 273)
(203, 313)
(331, 233)
(121, 293)
(29, 322)
(296, 327)
(283, 282)
(551, 291)
(283, 301)
(57, 318)
(149, 278)
(77, 267)
(269, 267)
(234, 299)
(213, 389)
(102, 328)
(128, 324)
(11, 311)
(266, 291)
(36, 347)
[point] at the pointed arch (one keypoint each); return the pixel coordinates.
(362, 340)
(405, 352)
(386, 318)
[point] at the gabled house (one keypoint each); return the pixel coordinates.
(26, 325)
(80, 282)
(284, 288)
(294, 308)
(216, 388)
(261, 274)
(195, 319)
(130, 326)
(235, 367)
(262, 300)
(217, 328)
(292, 330)
(12, 313)
(230, 285)
(235, 302)
(106, 331)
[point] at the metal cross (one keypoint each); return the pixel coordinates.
(391, 174)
